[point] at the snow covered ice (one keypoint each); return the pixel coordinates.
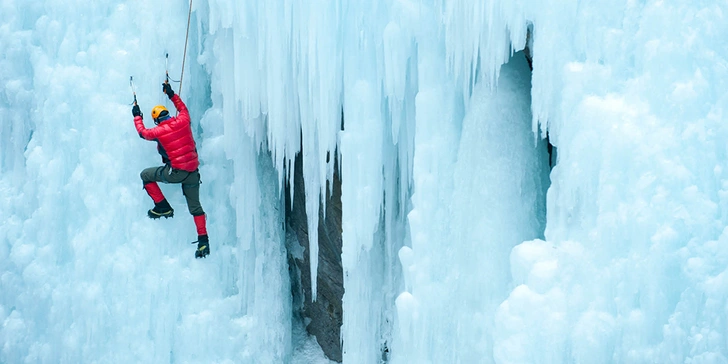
(462, 243)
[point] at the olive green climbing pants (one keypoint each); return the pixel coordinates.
(190, 184)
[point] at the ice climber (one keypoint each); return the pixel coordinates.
(179, 155)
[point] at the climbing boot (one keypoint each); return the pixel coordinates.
(161, 209)
(203, 246)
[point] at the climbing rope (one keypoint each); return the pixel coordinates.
(184, 55)
(166, 62)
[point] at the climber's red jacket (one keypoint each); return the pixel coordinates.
(174, 137)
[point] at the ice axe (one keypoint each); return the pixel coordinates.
(133, 91)
(166, 69)
(166, 73)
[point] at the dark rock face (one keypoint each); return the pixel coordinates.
(527, 49)
(325, 316)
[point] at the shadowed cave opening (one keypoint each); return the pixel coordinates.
(323, 318)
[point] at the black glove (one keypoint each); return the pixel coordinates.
(167, 89)
(136, 112)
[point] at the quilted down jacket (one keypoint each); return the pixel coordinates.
(174, 138)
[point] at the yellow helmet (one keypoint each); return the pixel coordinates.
(159, 111)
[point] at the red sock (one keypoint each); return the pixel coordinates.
(154, 192)
(200, 223)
